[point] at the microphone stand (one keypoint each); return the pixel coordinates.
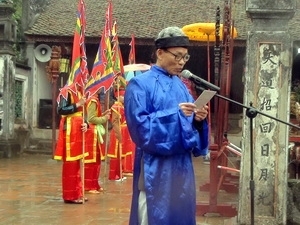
(251, 113)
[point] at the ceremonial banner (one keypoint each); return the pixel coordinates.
(79, 71)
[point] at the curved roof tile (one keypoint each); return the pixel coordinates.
(144, 18)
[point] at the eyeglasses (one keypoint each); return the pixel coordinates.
(185, 57)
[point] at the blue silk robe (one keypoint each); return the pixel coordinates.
(165, 141)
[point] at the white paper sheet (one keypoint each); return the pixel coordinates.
(204, 98)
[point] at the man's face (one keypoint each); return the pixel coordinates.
(172, 59)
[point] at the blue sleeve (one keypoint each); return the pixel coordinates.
(65, 107)
(204, 139)
(158, 132)
(155, 132)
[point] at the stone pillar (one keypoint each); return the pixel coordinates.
(7, 79)
(32, 85)
(267, 86)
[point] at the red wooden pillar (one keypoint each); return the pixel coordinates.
(54, 69)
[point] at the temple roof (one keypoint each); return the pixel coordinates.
(143, 18)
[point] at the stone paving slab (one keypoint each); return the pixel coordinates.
(31, 195)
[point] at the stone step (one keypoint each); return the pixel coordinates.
(9, 149)
(38, 151)
(39, 146)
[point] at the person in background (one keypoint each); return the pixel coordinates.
(69, 146)
(121, 145)
(167, 129)
(190, 86)
(94, 144)
(106, 99)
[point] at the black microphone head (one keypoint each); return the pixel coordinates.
(186, 74)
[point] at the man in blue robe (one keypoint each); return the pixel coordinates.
(168, 129)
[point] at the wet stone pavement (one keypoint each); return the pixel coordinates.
(30, 194)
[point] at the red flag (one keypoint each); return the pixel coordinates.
(108, 19)
(131, 58)
(118, 65)
(102, 73)
(79, 71)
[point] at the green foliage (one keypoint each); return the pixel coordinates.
(35, 6)
(18, 18)
(17, 15)
(18, 10)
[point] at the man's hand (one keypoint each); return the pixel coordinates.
(84, 127)
(187, 108)
(201, 114)
(81, 102)
(107, 114)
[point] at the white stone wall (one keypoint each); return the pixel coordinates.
(7, 75)
(43, 89)
(39, 85)
(1, 92)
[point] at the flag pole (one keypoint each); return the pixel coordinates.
(107, 100)
(83, 156)
(119, 126)
(107, 28)
(83, 145)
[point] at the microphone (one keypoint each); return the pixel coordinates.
(187, 74)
